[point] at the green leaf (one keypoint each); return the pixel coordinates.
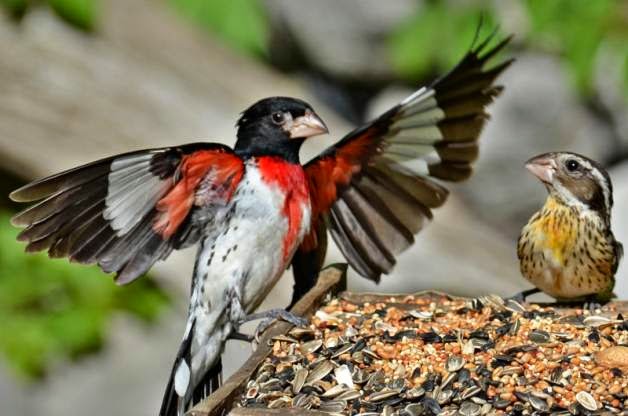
(241, 23)
(78, 13)
(436, 38)
(52, 310)
(15, 8)
(574, 29)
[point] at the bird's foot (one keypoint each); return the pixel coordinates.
(592, 307)
(521, 296)
(268, 317)
(593, 303)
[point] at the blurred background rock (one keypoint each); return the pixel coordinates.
(82, 79)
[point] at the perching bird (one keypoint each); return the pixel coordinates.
(252, 207)
(567, 249)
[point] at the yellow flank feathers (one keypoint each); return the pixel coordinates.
(555, 230)
(563, 252)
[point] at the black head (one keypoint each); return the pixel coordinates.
(574, 179)
(277, 126)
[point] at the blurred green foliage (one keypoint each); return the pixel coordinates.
(436, 37)
(432, 40)
(241, 23)
(79, 13)
(576, 30)
(51, 310)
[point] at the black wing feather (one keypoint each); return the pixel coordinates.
(395, 162)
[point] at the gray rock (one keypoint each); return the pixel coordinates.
(348, 37)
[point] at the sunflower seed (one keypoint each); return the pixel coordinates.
(301, 332)
(539, 336)
(299, 379)
(501, 404)
(596, 320)
(454, 363)
(538, 403)
(425, 315)
(320, 371)
(415, 393)
(331, 342)
(383, 395)
(333, 406)
(432, 406)
(351, 332)
(514, 306)
(252, 391)
(414, 409)
(470, 392)
(280, 403)
(343, 376)
(311, 346)
(342, 350)
(349, 395)
(284, 338)
(376, 360)
(448, 380)
(443, 396)
(469, 409)
(587, 401)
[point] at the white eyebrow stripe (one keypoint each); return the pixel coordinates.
(606, 191)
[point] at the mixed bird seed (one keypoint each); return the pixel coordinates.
(424, 355)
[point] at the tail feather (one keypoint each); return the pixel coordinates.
(208, 384)
(172, 401)
(179, 397)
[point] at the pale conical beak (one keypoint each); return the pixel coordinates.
(543, 167)
(307, 125)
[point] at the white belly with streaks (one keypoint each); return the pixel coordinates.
(238, 264)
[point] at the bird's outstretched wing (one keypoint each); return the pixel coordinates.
(375, 188)
(128, 211)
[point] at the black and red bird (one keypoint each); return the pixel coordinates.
(255, 209)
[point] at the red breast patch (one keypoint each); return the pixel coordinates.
(290, 179)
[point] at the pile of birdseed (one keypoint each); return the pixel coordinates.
(436, 355)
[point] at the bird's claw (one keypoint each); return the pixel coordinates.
(592, 307)
(517, 297)
(268, 317)
(261, 328)
(521, 297)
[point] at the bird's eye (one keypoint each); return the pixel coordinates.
(572, 165)
(278, 117)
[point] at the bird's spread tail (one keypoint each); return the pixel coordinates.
(174, 401)
(184, 388)
(209, 383)
(175, 405)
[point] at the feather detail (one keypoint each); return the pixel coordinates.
(376, 187)
(128, 211)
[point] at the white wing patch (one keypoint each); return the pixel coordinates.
(132, 192)
(428, 117)
(411, 142)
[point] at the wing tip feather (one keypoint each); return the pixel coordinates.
(20, 194)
